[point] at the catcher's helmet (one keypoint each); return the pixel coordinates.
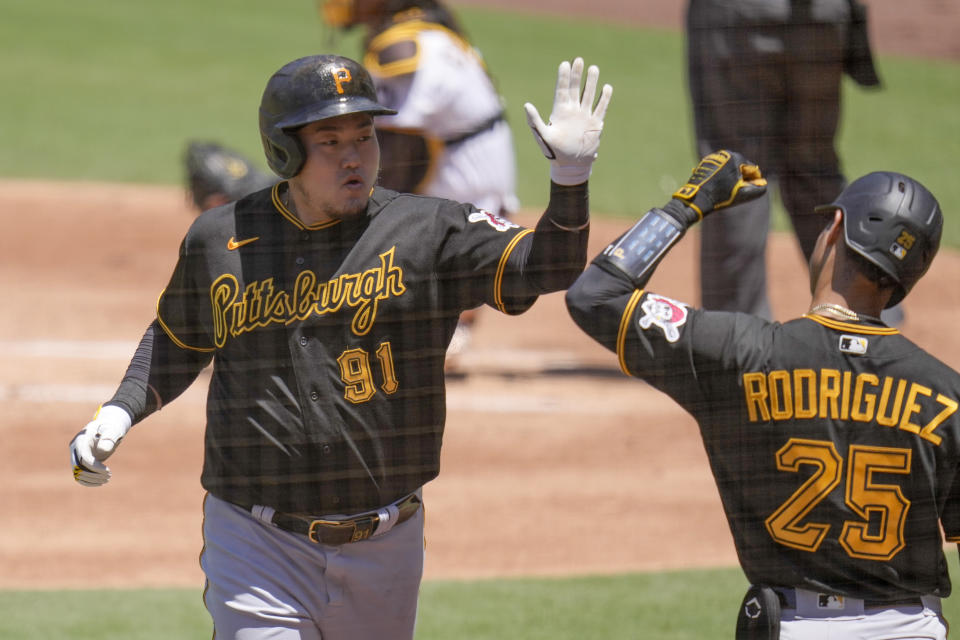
(338, 13)
(894, 222)
(307, 90)
(213, 169)
(380, 14)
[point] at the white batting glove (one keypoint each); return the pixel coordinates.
(95, 443)
(572, 136)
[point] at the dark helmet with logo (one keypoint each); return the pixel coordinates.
(894, 222)
(307, 90)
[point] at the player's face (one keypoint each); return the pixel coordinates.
(342, 161)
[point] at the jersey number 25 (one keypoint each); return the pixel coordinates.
(865, 497)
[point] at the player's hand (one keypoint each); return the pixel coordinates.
(722, 179)
(571, 137)
(95, 443)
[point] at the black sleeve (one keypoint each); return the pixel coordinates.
(950, 511)
(158, 373)
(552, 257)
(596, 302)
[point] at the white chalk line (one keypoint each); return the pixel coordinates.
(458, 399)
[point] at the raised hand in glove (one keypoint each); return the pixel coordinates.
(572, 136)
(722, 179)
(95, 443)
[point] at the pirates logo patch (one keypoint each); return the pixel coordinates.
(665, 313)
(491, 219)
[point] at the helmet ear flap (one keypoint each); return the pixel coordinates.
(284, 152)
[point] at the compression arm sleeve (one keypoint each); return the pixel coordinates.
(158, 372)
(638, 252)
(622, 268)
(554, 255)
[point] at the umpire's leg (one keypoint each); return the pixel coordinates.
(733, 270)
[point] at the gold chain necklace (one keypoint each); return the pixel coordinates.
(835, 310)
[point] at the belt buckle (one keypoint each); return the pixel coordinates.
(362, 528)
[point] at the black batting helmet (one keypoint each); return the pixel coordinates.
(307, 90)
(894, 222)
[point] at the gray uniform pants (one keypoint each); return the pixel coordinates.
(263, 582)
(764, 79)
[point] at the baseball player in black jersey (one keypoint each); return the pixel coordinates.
(326, 305)
(832, 438)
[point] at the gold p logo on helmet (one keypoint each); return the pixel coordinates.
(341, 76)
(337, 13)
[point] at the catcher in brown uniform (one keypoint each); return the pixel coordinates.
(833, 439)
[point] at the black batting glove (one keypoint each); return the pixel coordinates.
(722, 179)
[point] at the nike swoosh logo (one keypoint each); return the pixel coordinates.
(233, 244)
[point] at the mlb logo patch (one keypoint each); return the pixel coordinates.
(902, 244)
(857, 345)
(665, 313)
(829, 601)
(491, 219)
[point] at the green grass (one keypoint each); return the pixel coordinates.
(532, 609)
(100, 90)
(105, 91)
(680, 605)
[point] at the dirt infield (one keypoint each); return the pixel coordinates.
(553, 462)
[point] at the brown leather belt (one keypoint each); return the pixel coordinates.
(338, 532)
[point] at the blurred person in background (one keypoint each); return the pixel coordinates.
(450, 138)
(765, 80)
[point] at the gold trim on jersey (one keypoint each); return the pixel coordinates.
(854, 328)
(408, 30)
(501, 268)
(170, 334)
(291, 216)
(624, 326)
